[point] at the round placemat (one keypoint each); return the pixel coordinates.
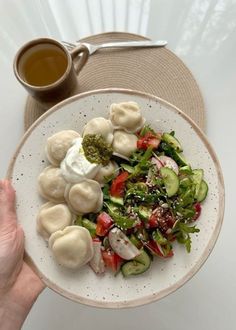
(157, 71)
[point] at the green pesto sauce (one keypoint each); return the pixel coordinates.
(96, 149)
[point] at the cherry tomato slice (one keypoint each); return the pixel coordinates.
(112, 260)
(153, 247)
(149, 140)
(118, 185)
(104, 222)
(198, 209)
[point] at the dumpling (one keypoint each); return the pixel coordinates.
(101, 126)
(51, 184)
(72, 247)
(58, 144)
(127, 116)
(53, 217)
(106, 171)
(124, 144)
(84, 197)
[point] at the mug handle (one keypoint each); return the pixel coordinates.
(79, 63)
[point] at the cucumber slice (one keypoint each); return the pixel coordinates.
(117, 200)
(197, 177)
(139, 265)
(171, 181)
(133, 239)
(143, 258)
(172, 141)
(144, 212)
(91, 226)
(203, 190)
(185, 183)
(187, 197)
(179, 158)
(186, 169)
(127, 168)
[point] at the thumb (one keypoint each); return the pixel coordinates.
(7, 203)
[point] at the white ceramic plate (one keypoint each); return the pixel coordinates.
(164, 276)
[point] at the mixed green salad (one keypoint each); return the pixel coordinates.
(152, 201)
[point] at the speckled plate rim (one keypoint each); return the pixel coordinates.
(156, 296)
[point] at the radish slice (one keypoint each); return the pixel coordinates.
(157, 162)
(97, 263)
(122, 245)
(169, 162)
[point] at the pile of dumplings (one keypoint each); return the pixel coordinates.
(69, 196)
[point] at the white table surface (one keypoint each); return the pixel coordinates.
(203, 34)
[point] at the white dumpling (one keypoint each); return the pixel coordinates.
(126, 116)
(124, 144)
(72, 247)
(51, 184)
(53, 217)
(58, 144)
(105, 171)
(84, 197)
(101, 126)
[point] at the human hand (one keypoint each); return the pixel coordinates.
(19, 285)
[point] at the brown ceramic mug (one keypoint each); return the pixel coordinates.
(47, 70)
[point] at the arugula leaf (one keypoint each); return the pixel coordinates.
(106, 192)
(137, 186)
(135, 157)
(187, 197)
(159, 238)
(109, 178)
(142, 196)
(143, 165)
(120, 220)
(78, 221)
(182, 232)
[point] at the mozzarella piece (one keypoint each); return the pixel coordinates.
(75, 167)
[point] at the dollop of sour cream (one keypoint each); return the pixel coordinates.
(75, 167)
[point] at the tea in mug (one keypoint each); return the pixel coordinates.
(43, 65)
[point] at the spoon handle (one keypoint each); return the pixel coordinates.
(158, 43)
